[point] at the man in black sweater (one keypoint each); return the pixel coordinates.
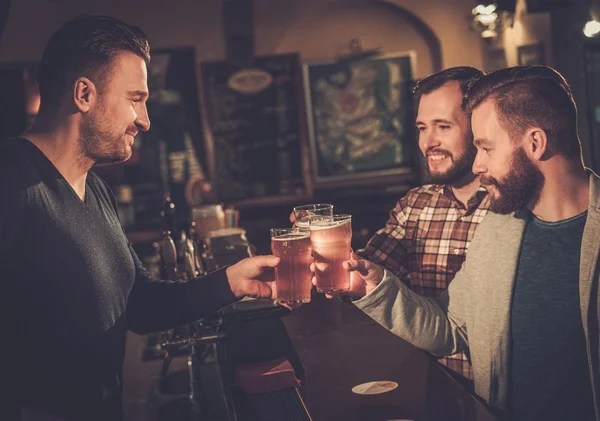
(71, 283)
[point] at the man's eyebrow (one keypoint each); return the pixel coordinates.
(142, 94)
(436, 121)
(481, 142)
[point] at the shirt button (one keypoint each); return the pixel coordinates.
(456, 251)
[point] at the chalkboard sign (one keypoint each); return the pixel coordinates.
(255, 131)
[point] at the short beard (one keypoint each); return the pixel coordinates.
(520, 188)
(460, 169)
(100, 145)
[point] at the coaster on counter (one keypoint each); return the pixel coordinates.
(374, 388)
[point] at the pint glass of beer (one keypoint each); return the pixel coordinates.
(292, 275)
(303, 212)
(207, 218)
(331, 237)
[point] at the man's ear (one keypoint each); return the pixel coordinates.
(84, 94)
(536, 143)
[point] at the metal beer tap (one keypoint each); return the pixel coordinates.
(168, 251)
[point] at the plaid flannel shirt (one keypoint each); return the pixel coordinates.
(425, 241)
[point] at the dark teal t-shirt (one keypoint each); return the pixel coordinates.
(549, 369)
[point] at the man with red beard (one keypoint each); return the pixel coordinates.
(425, 240)
(526, 303)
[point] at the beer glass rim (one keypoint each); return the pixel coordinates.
(313, 207)
(326, 218)
(278, 232)
(207, 209)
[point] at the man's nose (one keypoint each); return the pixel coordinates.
(143, 121)
(430, 140)
(479, 166)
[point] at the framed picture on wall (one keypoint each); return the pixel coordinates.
(361, 119)
(529, 55)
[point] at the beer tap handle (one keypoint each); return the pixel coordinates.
(191, 257)
(200, 269)
(168, 215)
(199, 264)
(169, 256)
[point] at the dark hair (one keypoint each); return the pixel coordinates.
(86, 46)
(531, 96)
(464, 75)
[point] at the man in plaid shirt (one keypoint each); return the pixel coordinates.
(426, 238)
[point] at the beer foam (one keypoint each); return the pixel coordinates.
(292, 236)
(323, 225)
(302, 224)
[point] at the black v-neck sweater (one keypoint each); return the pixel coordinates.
(71, 285)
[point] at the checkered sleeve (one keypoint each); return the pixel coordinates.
(387, 247)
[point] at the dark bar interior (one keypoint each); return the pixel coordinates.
(255, 108)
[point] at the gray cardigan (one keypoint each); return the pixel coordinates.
(473, 314)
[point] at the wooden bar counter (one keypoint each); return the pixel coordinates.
(340, 347)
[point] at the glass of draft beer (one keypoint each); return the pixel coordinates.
(292, 275)
(331, 237)
(303, 212)
(208, 218)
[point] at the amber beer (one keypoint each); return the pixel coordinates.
(331, 238)
(292, 275)
(207, 218)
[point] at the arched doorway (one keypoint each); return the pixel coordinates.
(325, 30)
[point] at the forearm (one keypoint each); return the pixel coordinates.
(416, 319)
(157, 305)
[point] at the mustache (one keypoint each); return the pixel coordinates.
(133, 131)
(431, 151)
(486, 180)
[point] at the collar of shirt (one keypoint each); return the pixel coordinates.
(473, 203)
